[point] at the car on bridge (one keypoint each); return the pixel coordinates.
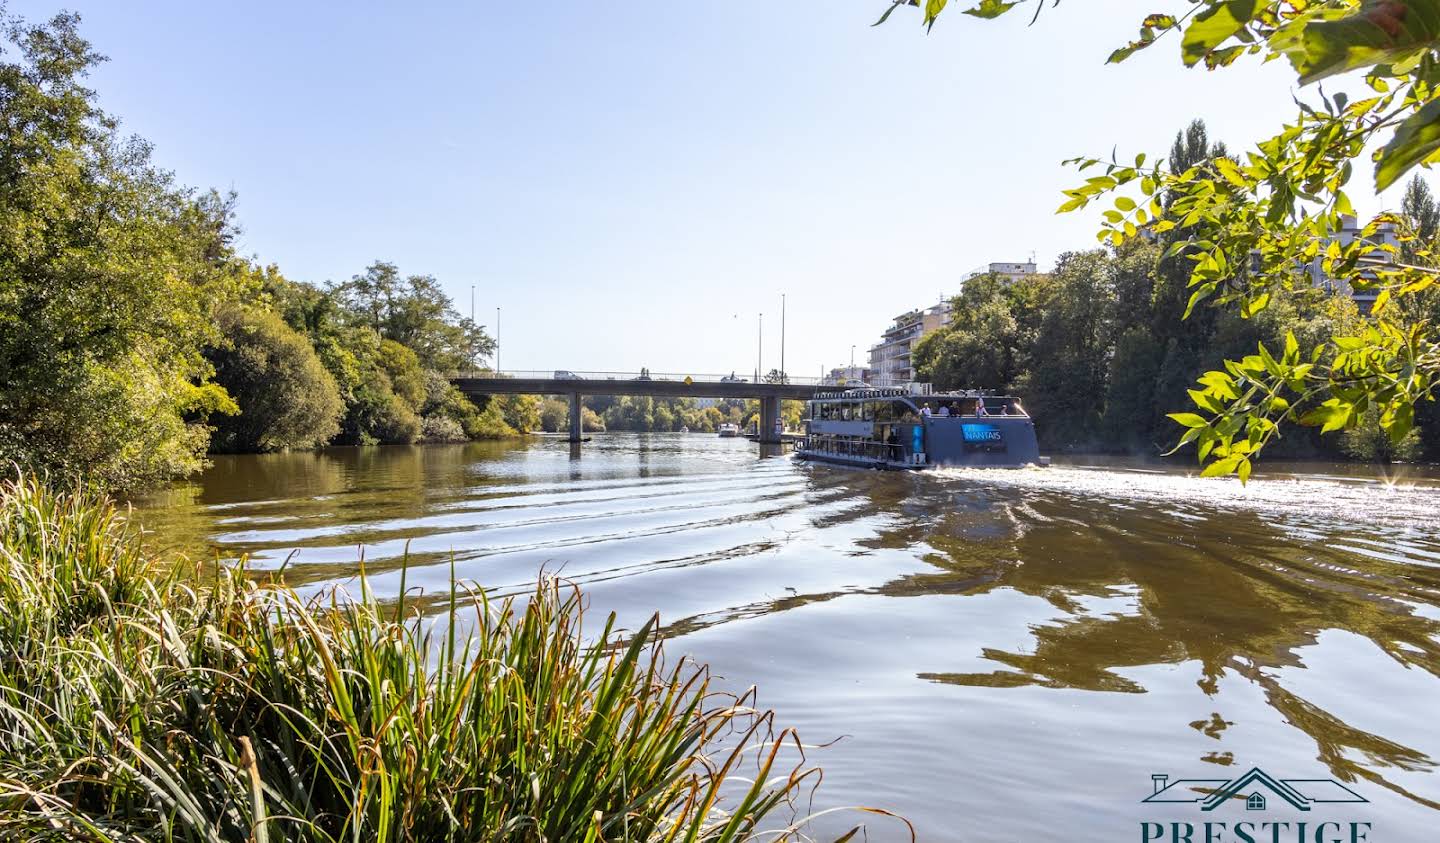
(566, 375)
(731, 378)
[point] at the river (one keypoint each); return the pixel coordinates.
(1004, 655)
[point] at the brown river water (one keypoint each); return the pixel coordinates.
(1004, 655)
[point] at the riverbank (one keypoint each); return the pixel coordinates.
(137, 705)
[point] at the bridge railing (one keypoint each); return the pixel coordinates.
(700, 377)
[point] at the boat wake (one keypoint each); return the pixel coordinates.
(1392, 502)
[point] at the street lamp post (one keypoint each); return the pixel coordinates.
(782, 337)
(759, 345)
(497, 342)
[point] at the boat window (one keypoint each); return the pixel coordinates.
(885, 411)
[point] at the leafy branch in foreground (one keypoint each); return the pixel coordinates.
(1270, 223)
(136, 707)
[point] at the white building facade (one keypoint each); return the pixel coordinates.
(1009, 272)
(891, 359)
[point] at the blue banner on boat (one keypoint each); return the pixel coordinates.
(981, 433)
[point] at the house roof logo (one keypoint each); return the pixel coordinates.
(1250, 788)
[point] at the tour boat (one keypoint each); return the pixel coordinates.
(897, 428)
(728, 430)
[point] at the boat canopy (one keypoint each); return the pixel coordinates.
(887, 404)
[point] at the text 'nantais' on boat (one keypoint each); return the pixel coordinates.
(912, 428)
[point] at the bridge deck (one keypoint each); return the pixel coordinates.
(635, 386)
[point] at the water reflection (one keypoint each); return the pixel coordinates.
(974, 632)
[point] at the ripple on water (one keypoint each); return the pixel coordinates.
(978, 635)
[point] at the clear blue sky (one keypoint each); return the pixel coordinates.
(633, 182)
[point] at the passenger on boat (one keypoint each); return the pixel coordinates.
(893, 443)
(980, 408)
(944, 411)
(925, 410)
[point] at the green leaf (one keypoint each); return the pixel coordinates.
(1231, 172)
(1416, 139)
(1205, 401)
(1397, 420)
(1188, 419)
(1331, 416)
(1213, 27)
(1377, 32)
(1224, 465)
(893, 6)
(1243, 469)
(989, 8)
(933, 8)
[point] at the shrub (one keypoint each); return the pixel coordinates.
(441, 429)
(137, 706)
(286, 397)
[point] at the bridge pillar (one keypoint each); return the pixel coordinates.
(769, 420)
(576, 426)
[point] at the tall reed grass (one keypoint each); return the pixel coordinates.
(139, 705)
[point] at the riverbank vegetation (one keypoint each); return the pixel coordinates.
(134, 337)
(642, 414)
(1103, 351)
(137, 703)
(1256, 230)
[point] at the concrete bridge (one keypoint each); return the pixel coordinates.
(573, 385)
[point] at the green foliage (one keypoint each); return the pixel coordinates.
(1097, 349)
(285, 396)
(137, 706)
(521, 412)
(441, 429)
(118, 293)
(1066, 381)
(108, 272)
(555, 417)
(643, 413)
(1127, 421)
(1367, 440)
(1257, 229)
(391, 347)
(416, 313)
(980, 348)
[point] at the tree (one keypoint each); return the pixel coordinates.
(1421, 216)
(1066, 377)
(1258, 226)
(521, 412)
(976, 353)
(415, 312)
(285, 396)
(108, 275)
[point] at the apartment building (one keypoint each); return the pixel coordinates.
(890, 359)
(1350, 230)
(1010, 272)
